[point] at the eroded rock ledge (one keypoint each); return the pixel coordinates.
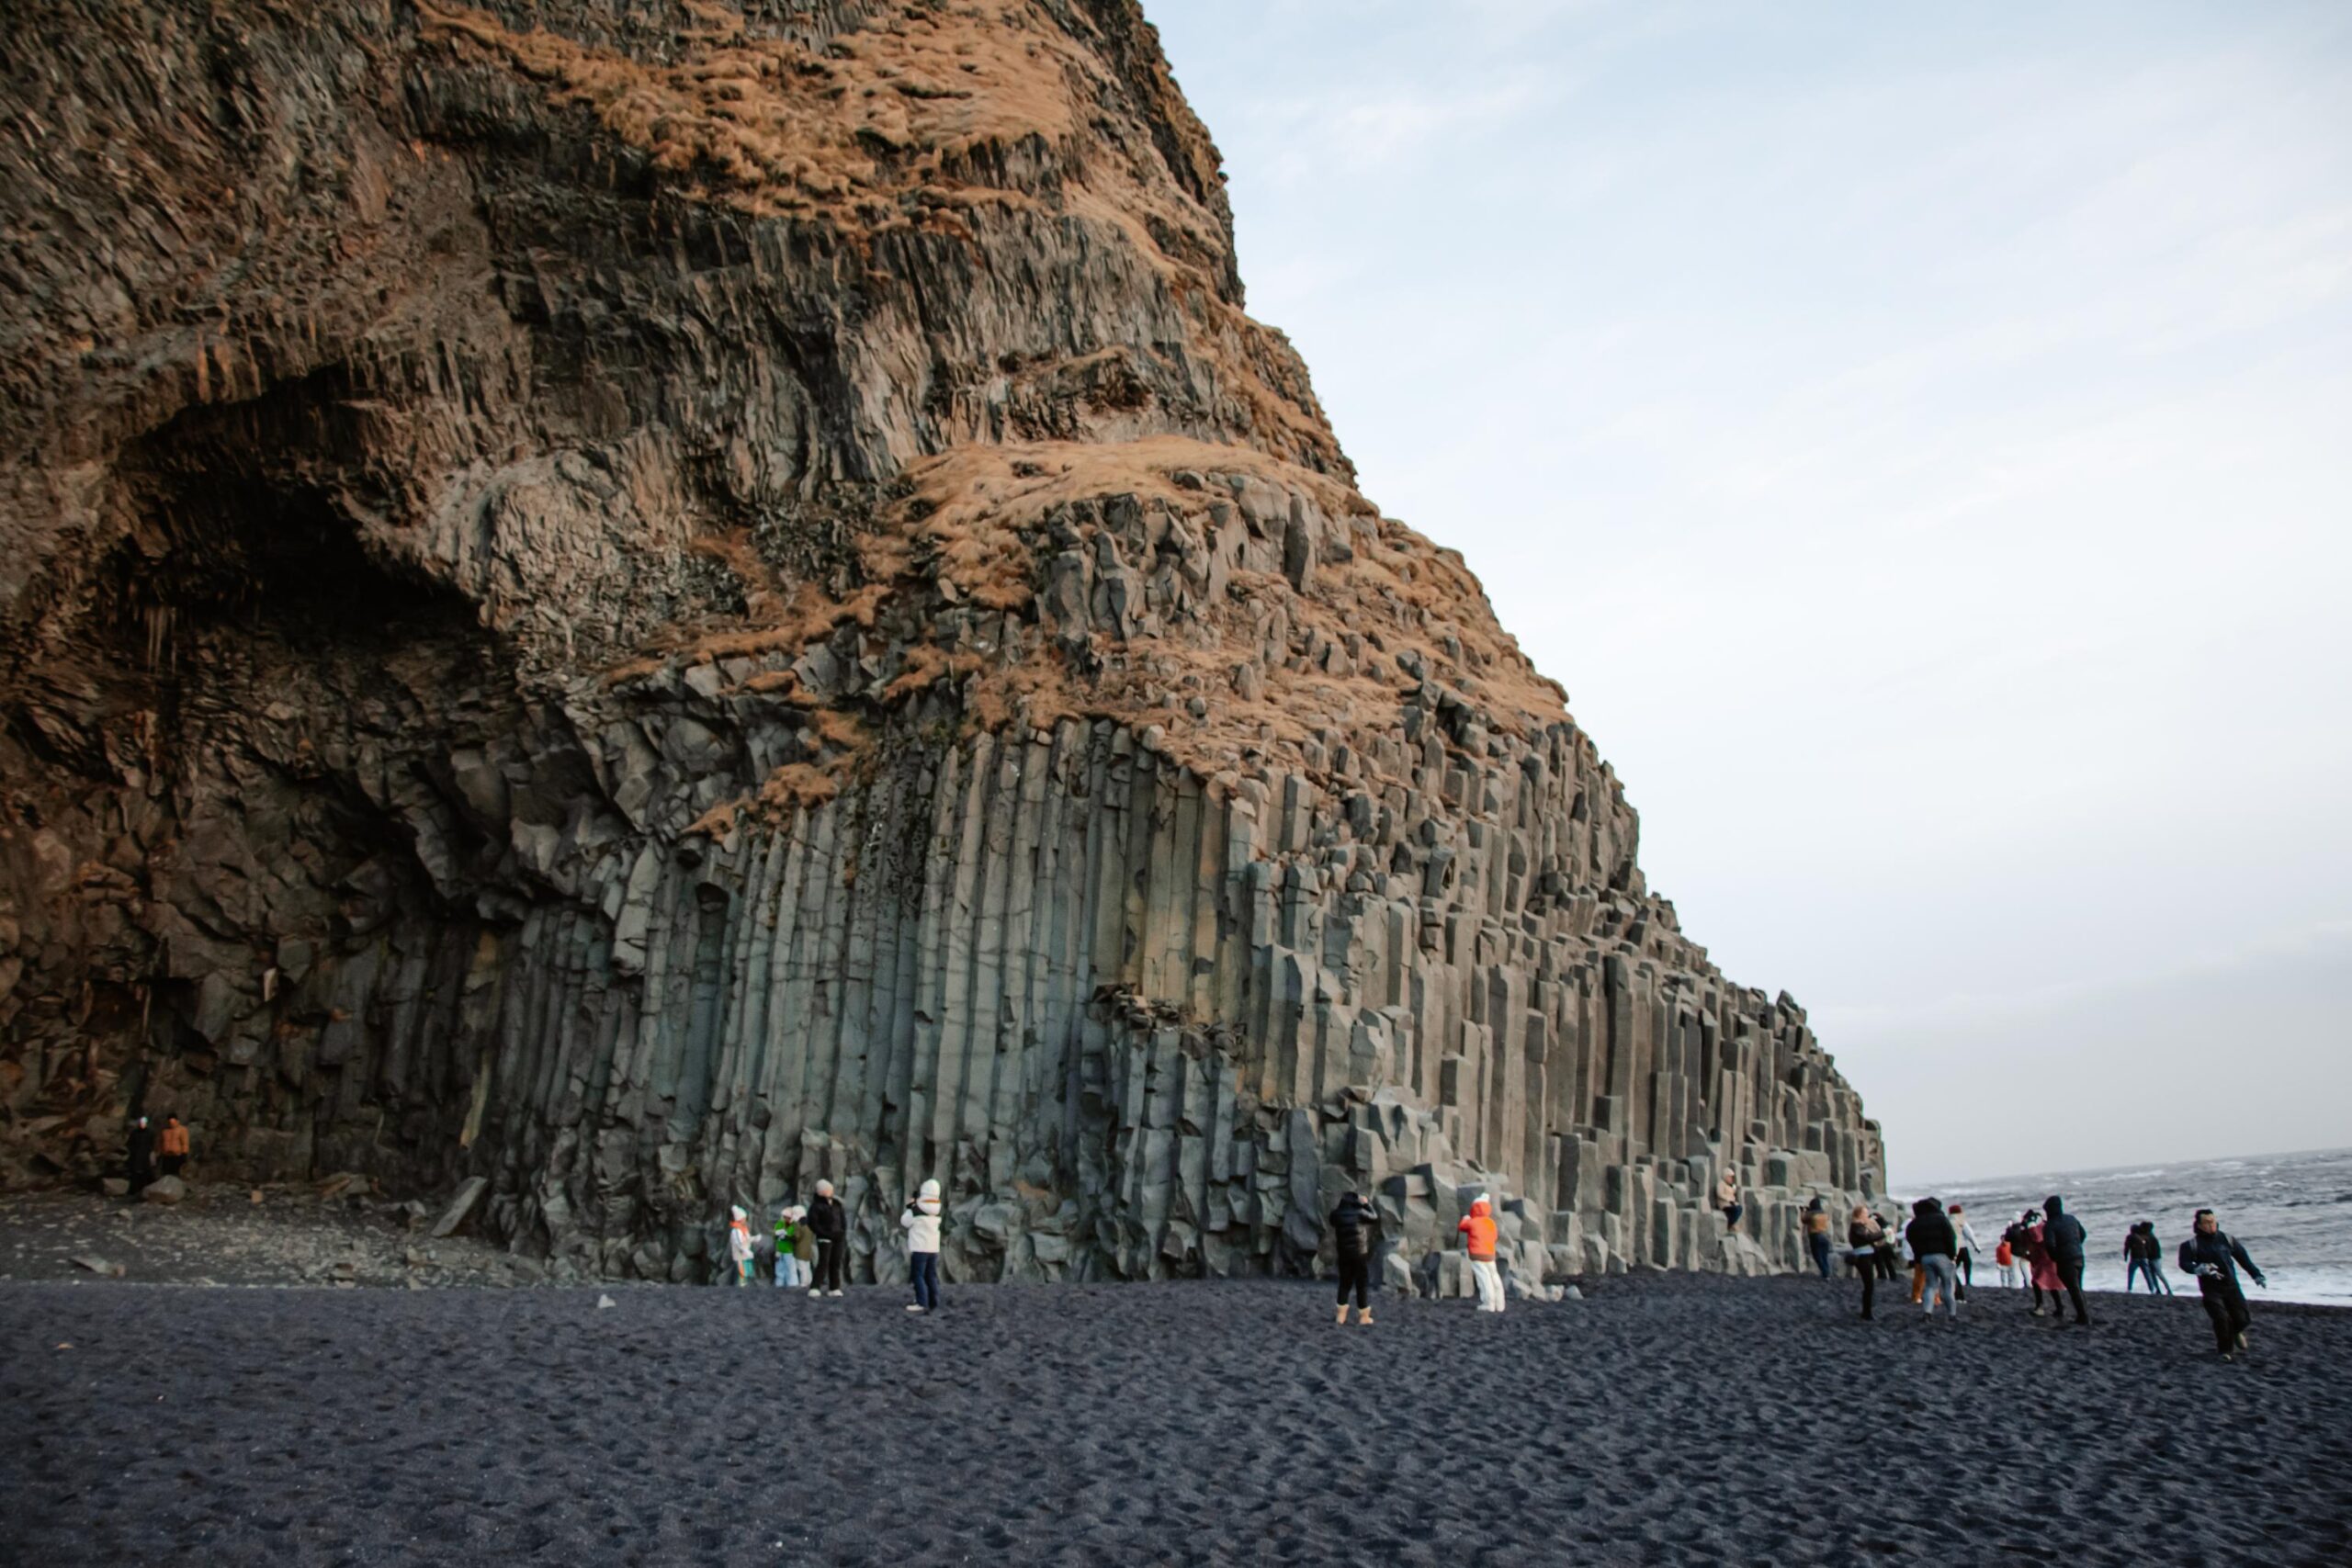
(654, 602)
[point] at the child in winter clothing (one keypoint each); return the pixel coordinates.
(739, 1243)
(921, 1222)
(790, 1272)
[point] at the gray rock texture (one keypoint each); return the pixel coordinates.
(640, 604)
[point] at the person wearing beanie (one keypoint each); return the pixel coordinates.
(828, 1222)
(921, 1222)
(739, 1243)
(1353, 1228)
(1478, 1238)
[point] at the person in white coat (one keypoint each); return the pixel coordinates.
(739, 1243)
(921, 1222)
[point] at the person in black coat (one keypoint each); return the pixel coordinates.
(1935, 1244)
(2215, 1258)
(140, 1154)
(1355, 1229)
(828, 1224)
(2063, 1237)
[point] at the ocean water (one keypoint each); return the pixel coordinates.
(2292, 1212)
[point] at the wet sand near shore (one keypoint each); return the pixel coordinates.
(1663, 1421)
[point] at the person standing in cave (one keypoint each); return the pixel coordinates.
(140, 1156)
(174, 1146)
(1353, 1230)
(829, 1223)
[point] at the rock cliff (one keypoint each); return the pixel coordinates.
(653, 600)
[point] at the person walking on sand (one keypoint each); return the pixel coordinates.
(921, 1222)
(1478, 1236)
(791, 1235)
(174, 1146)
(828, 1223)
(2041, 1272)
(2005, 1258)
(2064, 1237)
(1969, 1247)
(139, 1156)
(1817, 1235)
(739, 1243)
(1727, 1198)
(1865, 1242)
(1353, 1226)
(2215, 1258)
(1934, 1245)
(2142, 1254)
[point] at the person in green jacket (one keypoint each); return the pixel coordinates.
(793, 1246)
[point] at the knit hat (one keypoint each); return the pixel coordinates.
(737, 1210)
(824, 1189)
(930, 1190)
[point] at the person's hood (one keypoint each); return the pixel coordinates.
(824, 1189)
(2054, 1207)
(930, 1190)
(1813, 1207)
(1923, 1208)
(737, 1210)
(1479, 1207)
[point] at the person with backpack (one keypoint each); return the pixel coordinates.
(1934, 1246)
(1478, 1231)
(2141, 1255)
(1817, 1236)
(2064, 1239)
(739, 1243)
(790, 1237)
(1353, 1232)
(828, 1223)
(921, 1222)
(1866, 1244)
(2215, 1258)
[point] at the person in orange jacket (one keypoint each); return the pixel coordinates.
(1479, 1236)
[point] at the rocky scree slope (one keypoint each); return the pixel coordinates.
(653, 601)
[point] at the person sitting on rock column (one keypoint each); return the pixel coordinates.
(739, 1243)
(829, 1223)
(140, 1155)
(1727, 1198)
(921, 1222)
(1479, 1236)
(1817, 1235)
(174, 1146)
(1352, 1233)
(2215, 1258)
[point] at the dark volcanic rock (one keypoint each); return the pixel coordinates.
(648, 604)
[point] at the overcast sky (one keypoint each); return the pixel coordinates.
(1920, 439)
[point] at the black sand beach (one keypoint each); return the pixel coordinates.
(1670, 1419)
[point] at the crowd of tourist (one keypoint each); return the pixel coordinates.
(2043, 1251)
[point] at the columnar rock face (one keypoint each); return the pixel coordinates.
(652, 603)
